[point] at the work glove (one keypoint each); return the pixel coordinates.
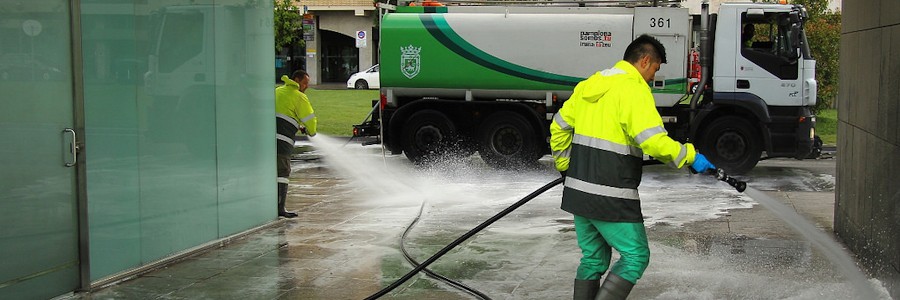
(701, 165)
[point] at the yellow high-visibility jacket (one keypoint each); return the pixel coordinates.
(292, 108)
(599, 138)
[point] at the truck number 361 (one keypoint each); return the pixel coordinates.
(660, 23)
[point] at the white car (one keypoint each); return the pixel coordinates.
(367, 79)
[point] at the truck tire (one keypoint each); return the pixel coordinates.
(361, 85)
(816, 148)
(506, 140)
(733, 144)
(428, 135)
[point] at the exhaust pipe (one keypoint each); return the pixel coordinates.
(704, 59)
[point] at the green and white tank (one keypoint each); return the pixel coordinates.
(516, 52)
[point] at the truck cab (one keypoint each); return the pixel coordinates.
(764, 77)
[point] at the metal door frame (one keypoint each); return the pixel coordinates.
(84, 262)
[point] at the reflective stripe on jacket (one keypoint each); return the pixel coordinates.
(292, 109)
(599, 138)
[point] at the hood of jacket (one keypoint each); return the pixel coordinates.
(289, 82)
(593, 88)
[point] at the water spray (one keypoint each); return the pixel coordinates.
(831, 249)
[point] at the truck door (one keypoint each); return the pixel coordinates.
(768, 63)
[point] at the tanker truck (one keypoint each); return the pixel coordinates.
(456, 80)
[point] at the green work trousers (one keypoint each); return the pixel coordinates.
(596, 240)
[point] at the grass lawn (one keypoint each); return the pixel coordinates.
(339, 110)
(826, 126)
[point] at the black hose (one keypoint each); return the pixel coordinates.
(464, 237)
(456, 284)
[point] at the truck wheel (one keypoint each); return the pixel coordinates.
(507, 141)
(361, 85)
(428, 134)
(733, 144)
(816, 148)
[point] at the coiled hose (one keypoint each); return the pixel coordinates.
(456, 284)
(464, 237)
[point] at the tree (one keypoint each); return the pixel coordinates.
(823, 32)
(288, 24)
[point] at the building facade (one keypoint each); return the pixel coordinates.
(344, 38)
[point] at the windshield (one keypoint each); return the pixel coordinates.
(772, 40)
(778, 33)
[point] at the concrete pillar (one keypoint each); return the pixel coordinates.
(867, 198)
(313, 54)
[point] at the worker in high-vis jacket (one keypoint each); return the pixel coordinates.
(598, 139)
(293, 113)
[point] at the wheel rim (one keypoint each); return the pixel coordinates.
(730, 146)
(360, 85)
(507, 140)
(427, 138)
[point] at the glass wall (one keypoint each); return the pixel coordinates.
(38, 202)
(179, 125)
(177, 145)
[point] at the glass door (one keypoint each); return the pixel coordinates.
(39, 255)
(340, 57)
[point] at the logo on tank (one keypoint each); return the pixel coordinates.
(598, 39)
(410, 62)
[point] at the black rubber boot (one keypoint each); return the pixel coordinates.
(586, 289)
(614, 288)
(287, 214)
(282, 198)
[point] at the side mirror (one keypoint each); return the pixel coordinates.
(795, 17)
(795, 35)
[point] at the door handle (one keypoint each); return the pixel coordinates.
(73, 147)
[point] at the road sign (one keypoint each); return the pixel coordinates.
(361, 39)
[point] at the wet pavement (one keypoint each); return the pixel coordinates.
(707, 241)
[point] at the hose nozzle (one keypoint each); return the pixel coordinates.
(738, 185)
